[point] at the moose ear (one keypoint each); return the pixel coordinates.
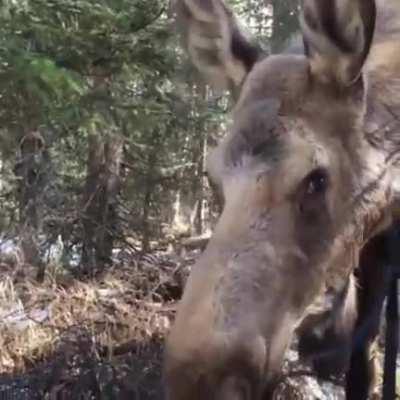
(217, 46)
(337, 36)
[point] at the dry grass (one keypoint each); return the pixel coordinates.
(35, 317)
(75, 333)
(100, 338)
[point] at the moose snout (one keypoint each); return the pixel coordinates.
(216, 372)
(244, 369)
(230, 332)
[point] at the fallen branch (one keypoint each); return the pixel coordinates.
(196, 242)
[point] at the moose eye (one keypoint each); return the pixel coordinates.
(312, 190)
(259, 148)
(316, 182)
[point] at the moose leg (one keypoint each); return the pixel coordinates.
(361, 378)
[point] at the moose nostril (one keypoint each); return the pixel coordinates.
(234, 388)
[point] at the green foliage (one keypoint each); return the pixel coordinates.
(75, 68)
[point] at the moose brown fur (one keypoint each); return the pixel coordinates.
(307, 173)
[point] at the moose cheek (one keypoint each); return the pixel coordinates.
(312, 210)
(313, 225)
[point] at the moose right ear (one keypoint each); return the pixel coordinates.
(337, 36)
(217, 46)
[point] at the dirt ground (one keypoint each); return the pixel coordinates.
(102, 338)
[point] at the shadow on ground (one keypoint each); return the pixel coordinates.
(78, 371)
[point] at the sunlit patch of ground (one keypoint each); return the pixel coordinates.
(102, 335)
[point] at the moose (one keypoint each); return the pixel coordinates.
(307, 174)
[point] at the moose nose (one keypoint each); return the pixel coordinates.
(223, 366)
(235, 388)
(215, 369)
(226, 342)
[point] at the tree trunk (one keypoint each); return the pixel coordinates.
(100, 214)
(91, 217)
(202, 188)
(31, 168)
(201, 158)
(108, 202)
(146, 227)
(285, 23)
(149, 185)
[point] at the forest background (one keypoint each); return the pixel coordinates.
(104, 201)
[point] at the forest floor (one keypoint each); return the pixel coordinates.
(101, 338)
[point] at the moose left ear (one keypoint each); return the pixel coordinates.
(337, 36)
(217, 45)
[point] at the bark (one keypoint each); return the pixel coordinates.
(202, 187)
(201, 158)
(95, 164)
(109, 200)
(100, 213)
(145, 226)
(149, 185)
(285, 23)
(32, 168)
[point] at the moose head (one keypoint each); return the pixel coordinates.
(306, 174)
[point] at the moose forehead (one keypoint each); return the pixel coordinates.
(279, 105)
(255, 133)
